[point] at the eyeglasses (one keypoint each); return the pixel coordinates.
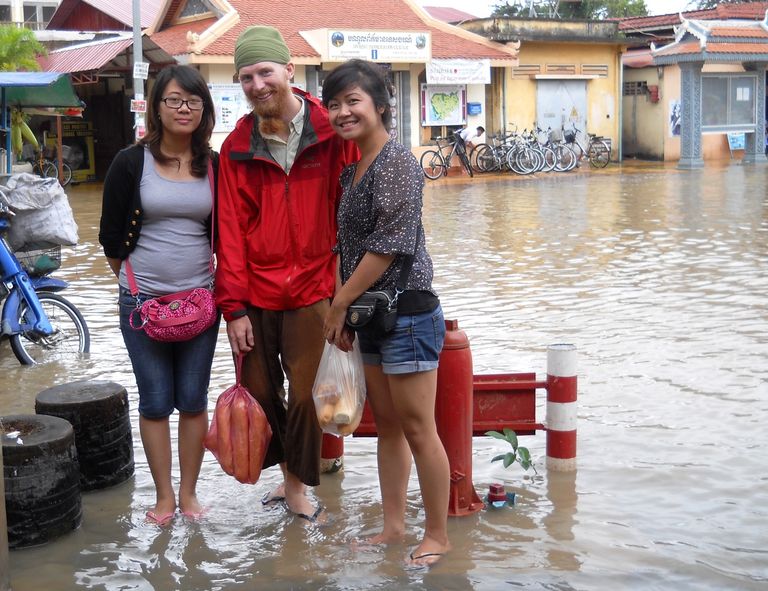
(175, 102)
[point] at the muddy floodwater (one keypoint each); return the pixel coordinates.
(658, 276)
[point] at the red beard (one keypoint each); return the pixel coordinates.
(270, 112)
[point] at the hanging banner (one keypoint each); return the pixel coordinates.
(379, 46)
(459, 72)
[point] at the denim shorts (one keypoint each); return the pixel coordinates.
(168, 375)
(413, 346)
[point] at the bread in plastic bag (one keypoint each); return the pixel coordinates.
(339, 390)
(239, 433)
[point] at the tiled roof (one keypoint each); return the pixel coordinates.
(708, 39)
(448, 15)
(175, 43)
(743, 10)
(292, 16)
(738, 32)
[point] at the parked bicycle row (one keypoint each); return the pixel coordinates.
(523, 153)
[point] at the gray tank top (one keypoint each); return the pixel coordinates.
(173, 251)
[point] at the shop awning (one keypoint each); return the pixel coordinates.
(33, 90)
(87, 57)
(38, 90)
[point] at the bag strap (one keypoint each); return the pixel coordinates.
(129, 270)
(405, 270)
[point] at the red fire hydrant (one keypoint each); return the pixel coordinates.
(453, 414)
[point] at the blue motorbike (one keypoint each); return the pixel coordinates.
(41, 325)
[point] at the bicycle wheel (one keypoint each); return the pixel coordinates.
(485, 159)
(576, 149)
(566, 159)
(599, 154)
(47, 170)
(473, 157)
(550, 158)
(66, 173)
(465, 163)
(526, 161)
(432, 164)
(70, 336)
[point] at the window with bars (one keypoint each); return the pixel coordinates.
(635, 88)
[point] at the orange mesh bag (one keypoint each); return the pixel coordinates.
(239, 433)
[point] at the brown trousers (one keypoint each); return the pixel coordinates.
(288, 344)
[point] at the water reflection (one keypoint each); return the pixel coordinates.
(659, 278)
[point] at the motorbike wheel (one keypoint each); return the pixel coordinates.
(70, 338)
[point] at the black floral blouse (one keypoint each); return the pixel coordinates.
(381, 214)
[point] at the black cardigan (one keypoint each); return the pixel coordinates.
(121, 210)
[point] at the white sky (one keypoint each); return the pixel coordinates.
(482, 8)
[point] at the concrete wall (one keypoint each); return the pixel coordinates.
(645, 123)
(603, 94)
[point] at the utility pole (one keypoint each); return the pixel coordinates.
(140, 71)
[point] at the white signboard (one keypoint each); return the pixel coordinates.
(230, 104)
(141, 70)
(380, 46)
(459, 72)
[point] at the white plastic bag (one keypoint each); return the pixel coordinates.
(43, 216)
(339, 390)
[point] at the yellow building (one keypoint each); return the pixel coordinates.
(569, 75)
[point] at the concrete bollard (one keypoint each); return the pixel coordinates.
(561, 407)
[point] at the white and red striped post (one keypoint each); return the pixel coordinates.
(561, 407)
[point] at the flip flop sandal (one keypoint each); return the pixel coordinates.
(310, 518)
(425, 555)
(160, 520)
(268, 499)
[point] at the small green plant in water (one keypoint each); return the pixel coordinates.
(521, 455)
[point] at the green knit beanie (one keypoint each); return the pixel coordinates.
(260, 44)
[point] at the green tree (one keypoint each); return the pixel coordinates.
(18, 49)
(587, 9)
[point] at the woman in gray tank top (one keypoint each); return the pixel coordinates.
(157, 209)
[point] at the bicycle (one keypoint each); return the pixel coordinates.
(436, 164)
(47, 168)
(597, 150)
(41, 325)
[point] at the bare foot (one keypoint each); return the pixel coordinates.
(164, 507)
(299, 503)
(380, 539)
(190, 507)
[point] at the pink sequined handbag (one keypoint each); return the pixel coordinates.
(179, 316)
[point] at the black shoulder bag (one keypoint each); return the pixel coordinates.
(375, 312)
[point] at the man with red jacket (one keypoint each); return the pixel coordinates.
(277, 198)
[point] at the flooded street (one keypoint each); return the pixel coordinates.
(660, 279)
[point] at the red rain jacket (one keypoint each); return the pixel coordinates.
(276, 231)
